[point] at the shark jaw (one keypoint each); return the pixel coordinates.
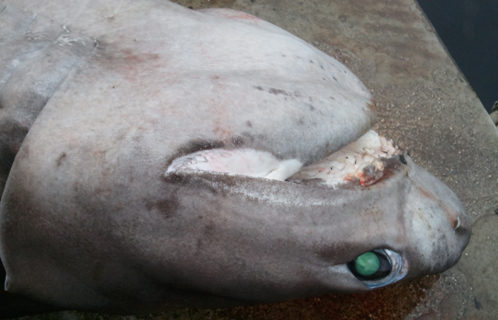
(361, 162)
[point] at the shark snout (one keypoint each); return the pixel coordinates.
(440, 225)
(462, 228)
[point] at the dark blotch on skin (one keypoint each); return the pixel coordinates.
(61, 158)
(249, 124)
(167, 207)
(278, 91)
(371, 106)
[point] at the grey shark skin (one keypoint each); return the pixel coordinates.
(112, 92)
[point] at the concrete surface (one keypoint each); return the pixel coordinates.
(494, 113)
(424, 104)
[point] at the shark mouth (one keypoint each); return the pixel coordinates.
(361, 162)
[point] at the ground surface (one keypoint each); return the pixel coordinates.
(427, 107)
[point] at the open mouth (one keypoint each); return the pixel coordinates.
(362, 162)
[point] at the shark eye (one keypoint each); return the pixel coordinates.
(378, 268)
(402, 159)
(372, 265)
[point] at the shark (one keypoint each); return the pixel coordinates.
(154, 155)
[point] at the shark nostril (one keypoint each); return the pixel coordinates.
(456, 223)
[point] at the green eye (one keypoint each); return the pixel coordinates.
(367, 264)
(373, 265)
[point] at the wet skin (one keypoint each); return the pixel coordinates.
(90, 220)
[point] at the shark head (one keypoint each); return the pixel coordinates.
(203, 158)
